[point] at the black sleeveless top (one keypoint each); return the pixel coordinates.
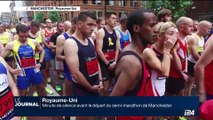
(109, 45)
(141, 86)
(88, 63)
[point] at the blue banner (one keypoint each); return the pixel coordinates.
(106, 106)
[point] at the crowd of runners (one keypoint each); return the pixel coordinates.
(140, 54)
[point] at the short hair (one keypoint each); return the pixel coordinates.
(123, 18)
(47, 19)
(165, 26)
(98, 21)
(164, 12)
(182, 20)
(35, 23)
(108, 14)
(21, 28)
(59, 22)
(20, 18)
(85, 14)
(74, 20)
(204, 23)
(137, 17)
(157, 26)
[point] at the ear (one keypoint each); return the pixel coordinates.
(136, 28)
(79, 23)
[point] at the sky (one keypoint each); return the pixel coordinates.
(4, 6)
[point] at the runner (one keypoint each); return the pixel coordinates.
(178, 77)
(46, 34)
(124, 33)
(67, 86)
(107, 48)
(35, 34)
(195, 48)
(67, 25)
(195, 25)
(5, 38)
(82, 60)
(203, 72)
(158, 57)
(164, 15)
(29, 70)
(131, 73)
(100, 23)
(7, 91)
(58, 65)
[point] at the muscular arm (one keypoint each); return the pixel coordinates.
(99, 46)
(117, 45)
(72, 60)
(192, 47)
(42, 52)
(60, 47)
(52, 46)
(176, 60)
(7, 49)
(204, 60)
(11, 82)
(126, 75)
(43, 39)
(151, 58)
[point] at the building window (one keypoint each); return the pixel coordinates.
(100, 14)
(134, 3)
(122, 12)
(122, 3)
(96, 2)
(110, 2)
(85, 1)
(72, 14)
(95, 12)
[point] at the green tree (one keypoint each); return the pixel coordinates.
(54, 16)
(178, 7)
(40, 17)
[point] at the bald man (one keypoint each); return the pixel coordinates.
(195, 48)
(177, 79)
(67, 91)
(67, 25)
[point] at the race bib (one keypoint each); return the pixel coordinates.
(125, 43)
(92, 67)
(28, 62)
(6, 104)
(110, 55)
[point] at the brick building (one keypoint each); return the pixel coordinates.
(97, 6)
(201, 10)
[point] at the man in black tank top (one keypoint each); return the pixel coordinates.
(107, 48)
(131, 74)
(82, 60)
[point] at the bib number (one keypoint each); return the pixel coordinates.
(92, 67)
(28, 62)
(110, 55)
(6, 103)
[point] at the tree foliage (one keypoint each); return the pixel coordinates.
(54, 16)
(178, 7)
(40, 17)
